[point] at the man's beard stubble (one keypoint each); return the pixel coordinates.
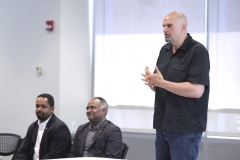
(168, 39)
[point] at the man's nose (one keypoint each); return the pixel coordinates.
(88, 110)
(165, 29)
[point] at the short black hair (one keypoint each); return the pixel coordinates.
(49, 97)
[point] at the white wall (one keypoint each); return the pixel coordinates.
(25, 44)
(62, 53)
(75, 81)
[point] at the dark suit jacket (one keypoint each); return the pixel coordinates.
(107, 141)
(55, 143)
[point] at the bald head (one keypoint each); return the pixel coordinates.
(179, 17)
(175, 28)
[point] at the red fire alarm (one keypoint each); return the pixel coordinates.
(49, 25)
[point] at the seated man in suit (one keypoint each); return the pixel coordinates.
(99, 137)
(48, 137)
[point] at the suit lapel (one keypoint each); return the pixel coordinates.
(34, 134)
(83, 137)
(45, 133)
(46, 128)
(100, 131)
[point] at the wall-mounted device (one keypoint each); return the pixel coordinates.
(49, 25)
(39, 70)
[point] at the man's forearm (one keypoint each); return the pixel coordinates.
(185, 89)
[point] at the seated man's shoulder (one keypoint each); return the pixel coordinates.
(55, 122)
(112, 125)
(84, 125)
(33, 125)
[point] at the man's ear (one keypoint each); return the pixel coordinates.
(104, 110)
(183, 27)
(52, 109)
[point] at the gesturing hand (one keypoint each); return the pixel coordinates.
(151, 79)
(145, 75)
(157, 78)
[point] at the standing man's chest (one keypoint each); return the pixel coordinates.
(174, 67)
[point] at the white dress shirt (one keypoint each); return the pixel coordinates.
(41, 128)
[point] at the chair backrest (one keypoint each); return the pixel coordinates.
(8, 143)
(124, 150)
(19, 146)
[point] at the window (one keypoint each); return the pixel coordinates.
(128, 37)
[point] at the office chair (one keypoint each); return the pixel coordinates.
(20, 144)
(124, 150)
(8, 143)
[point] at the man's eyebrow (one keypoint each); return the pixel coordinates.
(170, 24)
(91, 107)
(40, 105)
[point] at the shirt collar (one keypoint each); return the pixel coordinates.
(96, 127)
(43, 124)
(186, 42)
(184, 45)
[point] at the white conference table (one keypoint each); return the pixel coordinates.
(88, 158)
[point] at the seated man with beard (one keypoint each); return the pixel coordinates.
(48, 137)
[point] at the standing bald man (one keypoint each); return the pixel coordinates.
(181, 85)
